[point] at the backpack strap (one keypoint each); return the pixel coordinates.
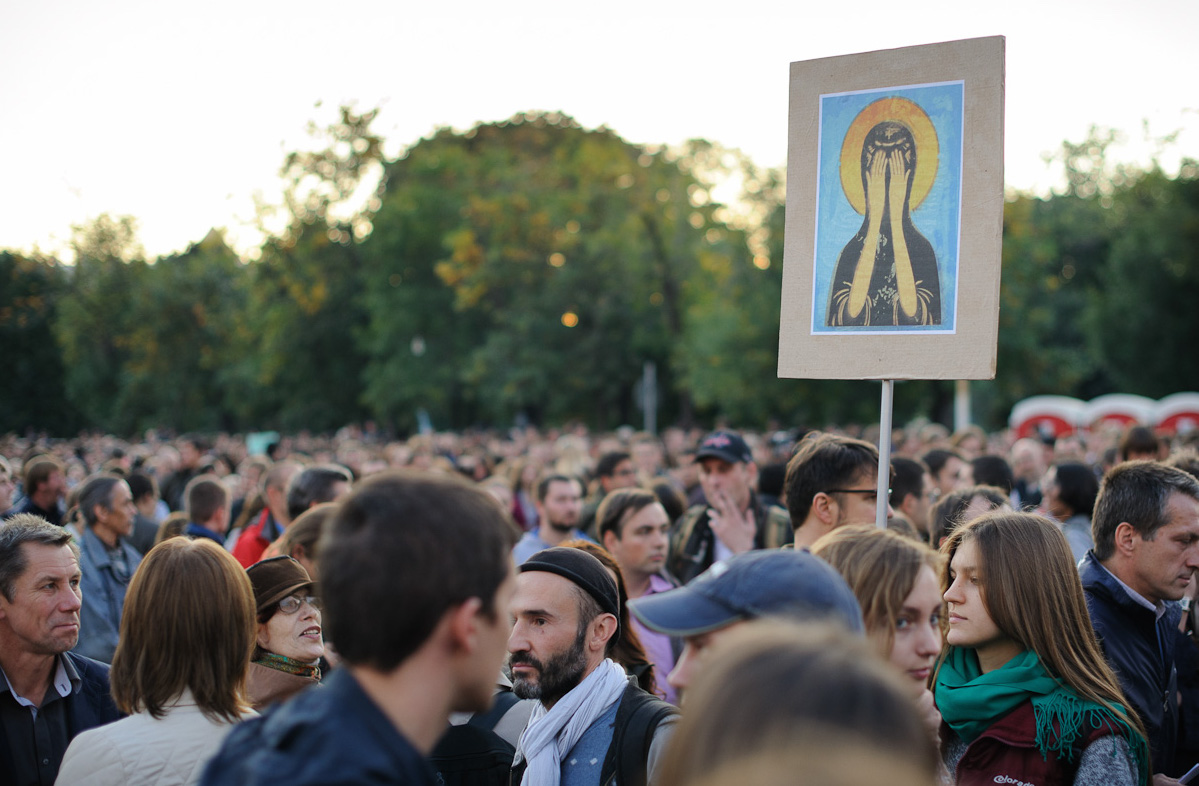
(504, 701)
(637, 720)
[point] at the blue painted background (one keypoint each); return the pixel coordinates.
(938, 218)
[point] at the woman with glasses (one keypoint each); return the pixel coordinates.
(289, 644)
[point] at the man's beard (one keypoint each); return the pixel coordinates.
(556, 677)
(563, 527)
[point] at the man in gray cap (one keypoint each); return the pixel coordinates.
(591, 722)
(778, 583)
(734, 520)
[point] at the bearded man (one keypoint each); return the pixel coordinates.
(591, 721)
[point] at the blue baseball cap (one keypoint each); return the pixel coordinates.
(766, 583)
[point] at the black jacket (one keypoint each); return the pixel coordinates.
(330, 734)
(1141, 650)
(92, 706)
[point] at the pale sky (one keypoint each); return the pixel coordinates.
(178, 115)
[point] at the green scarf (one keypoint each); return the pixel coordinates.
(289, 665)
(970, 702)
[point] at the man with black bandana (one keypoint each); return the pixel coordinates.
(591, 723)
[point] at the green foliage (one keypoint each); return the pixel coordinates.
(94, 319)
(180, 327)
(532, 267)
(32, 396)
(539, 265)
(1098, 283)
(298, 366)
(1143, 316)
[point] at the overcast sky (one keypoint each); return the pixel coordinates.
(179, 115)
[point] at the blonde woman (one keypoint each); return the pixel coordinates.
(897, 583)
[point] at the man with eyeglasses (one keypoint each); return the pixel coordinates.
(831, 481)
(734, 520)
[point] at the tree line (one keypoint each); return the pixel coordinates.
(528, 269)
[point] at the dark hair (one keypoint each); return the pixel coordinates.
(142, 485)
(21, 529)
(670, 498)
(1077, 487)
(617, 507)
(947, 513)
(37, 471)
(543, 485)
(1138, 440)
(96, 490)
(408, 546)
(907, 477)
(608, 462)
(771, 479)
(203, 497)
(628, 650)
(937, 458)
(1136, 492)
(314, 485)
(822, 462)
(992, 470)
(172, 639)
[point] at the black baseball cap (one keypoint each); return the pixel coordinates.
(726, 445)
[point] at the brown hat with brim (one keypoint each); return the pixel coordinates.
(275, 578)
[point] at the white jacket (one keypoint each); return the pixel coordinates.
(145, 751)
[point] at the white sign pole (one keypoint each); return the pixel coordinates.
(884, 453)
(961, 405)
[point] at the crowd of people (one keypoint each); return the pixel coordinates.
(574, 608)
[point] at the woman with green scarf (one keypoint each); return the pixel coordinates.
(1023, 689)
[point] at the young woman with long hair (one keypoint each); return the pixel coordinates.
(1022, 686)
(897, 583)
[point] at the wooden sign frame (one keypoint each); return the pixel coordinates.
(871, 293)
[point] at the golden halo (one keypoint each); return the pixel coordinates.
(899, 110)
